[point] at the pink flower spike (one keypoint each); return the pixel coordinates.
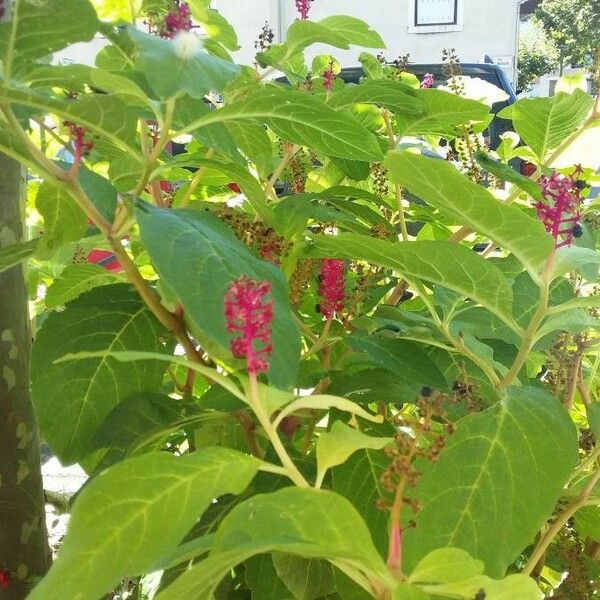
(328, 77)
(249, 317)
(303, 6)
(427, 81)
(559, 208)
(332, 288)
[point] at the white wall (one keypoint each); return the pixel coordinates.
(488, 27)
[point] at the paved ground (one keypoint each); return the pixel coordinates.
(60, 483)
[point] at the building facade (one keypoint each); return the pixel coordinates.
(421, 28)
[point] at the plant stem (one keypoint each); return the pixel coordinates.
(528, 338)
(560, 522)
(289, 153)
(263, 419)
(195, 181)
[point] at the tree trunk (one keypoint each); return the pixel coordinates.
(24, 552)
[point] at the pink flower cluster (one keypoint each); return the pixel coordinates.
(559, 208)
(249, 317)
(178, 19)
(332, 287)
(303, 6)
(328, 77)
(427, 81)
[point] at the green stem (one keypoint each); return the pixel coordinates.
(195, 181)
(529, 334)
(263, 419)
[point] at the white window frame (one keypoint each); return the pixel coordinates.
(439, 28)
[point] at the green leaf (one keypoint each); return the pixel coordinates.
(444, 263)
(262, 579)
(215, 26)
(390, 94)
(74, 280)
(16, 253)
(575, 258)
(306, 578)
(100, 191)
(510, 588)
(587, 522)
(186, 242)
(138, 416)
(170, 70)
(122, 87)
(441, 185)
(543, 123)
(371, 65)
(254, 142)
(154, 499)
(359, 480)
(302, 119)
(301, 521)
(341, 441)
(445, 565)
(104, 115)
(577, 320)
(25, 34)
(507, 173)
(353, 30)
(496, 482)
(64, 221)
(444, 113)
(405, 359)
(72, 399)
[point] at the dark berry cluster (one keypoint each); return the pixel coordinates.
(265, 38)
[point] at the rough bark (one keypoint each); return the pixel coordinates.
(24, 552)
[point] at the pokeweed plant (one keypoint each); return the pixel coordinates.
(275, 350)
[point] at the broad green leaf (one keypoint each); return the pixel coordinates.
(389, 94)
(74, 280)
(25, 33)
(543, 123)
(71, 399)
(122, 87)
(496, 482)
(254, 142)
(341, 441)
(445, 565)
(371, 65)
(302, 119)
(100, 191)
(68, 77)
(510, 588)
(575, 258)
(215, 26)
(116, 10)
(404, 358)
(577, 320)
(587, 522)
(138, 416)
(444, 113)
(101, 114)
(171, 70)
(248, 184)
(301, 521)
(198, 258)
(355, 31)
(261, 577)
(325, 402)
(64, 221)
(441, 185)
(135, 513)
(14, 254)
(443, 263)
(306, 578)
(134, 356)
(507, 173)
(359, 480)
(405, 591)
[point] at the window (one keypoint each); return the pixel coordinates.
(436, 12)
(434, 16)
